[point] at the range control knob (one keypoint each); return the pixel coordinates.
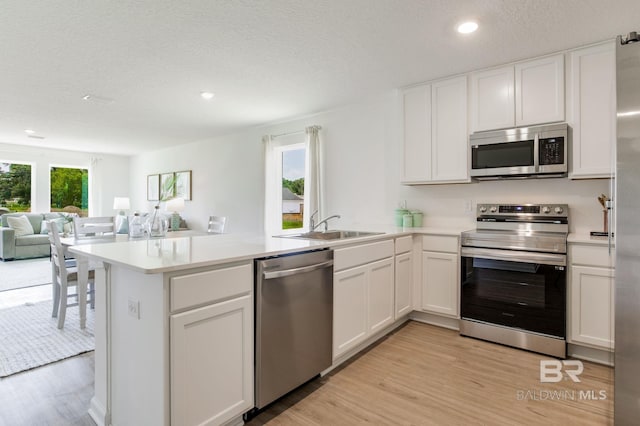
(546, 210)
(558, 210)
(493, 209)
(483, 209)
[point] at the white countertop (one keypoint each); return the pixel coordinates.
(585, 238)
(158, 255)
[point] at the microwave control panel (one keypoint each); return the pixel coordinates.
(551, 151)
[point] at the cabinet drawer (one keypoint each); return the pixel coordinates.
(208, 286)
(591, 255)
(359, 255)
(404, 244)
(440, 243)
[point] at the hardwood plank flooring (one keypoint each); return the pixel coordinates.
(426, 375)
(418, 375)
(56, 394)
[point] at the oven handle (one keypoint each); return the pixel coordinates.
(515, 256)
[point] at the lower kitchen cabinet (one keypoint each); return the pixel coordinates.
(211, 362)
(440, 282)
(211, 345)
(404, 274)
(363, 295)
(591, 296)
(349, 308)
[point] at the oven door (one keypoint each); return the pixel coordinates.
(518, 289)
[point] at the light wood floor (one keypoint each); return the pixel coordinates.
(426, 375)
(56, 394)
(419, 375)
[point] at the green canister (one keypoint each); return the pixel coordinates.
(399, 215)
(417, 218)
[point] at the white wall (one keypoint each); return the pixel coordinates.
(109, 175)
(363, 150)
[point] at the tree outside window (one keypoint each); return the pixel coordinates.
(70, 190)
(15, 186)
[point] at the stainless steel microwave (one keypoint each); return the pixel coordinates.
(523, 152)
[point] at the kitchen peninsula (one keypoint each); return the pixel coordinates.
(174, 323)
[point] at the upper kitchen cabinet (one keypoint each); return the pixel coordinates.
(540, 91)
(523, 94)
(435, 133)
(592, 110)
(492, 99)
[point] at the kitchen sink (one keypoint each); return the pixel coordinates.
(329, 235)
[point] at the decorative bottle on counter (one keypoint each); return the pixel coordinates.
(157, 225)
(136, 227)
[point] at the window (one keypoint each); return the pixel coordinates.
(70, 190)
(291, 181)
(15, 186)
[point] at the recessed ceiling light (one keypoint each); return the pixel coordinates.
(207, 95)
(467, 27)
(29, 131)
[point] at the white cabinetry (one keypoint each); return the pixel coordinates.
(404, 276)
(540, 91)
(211, 346)
(591, 296)
(440, 276)
(435, 132)
(592, 110)
(526, 93)
(363, 293)
(492, 99)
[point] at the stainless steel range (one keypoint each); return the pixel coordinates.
(514, 276)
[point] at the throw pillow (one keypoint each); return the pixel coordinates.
(21, 225)
(44, 227)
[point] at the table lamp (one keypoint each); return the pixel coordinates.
(122, 223)
(175, 205)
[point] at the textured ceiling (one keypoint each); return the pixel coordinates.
(265, 60)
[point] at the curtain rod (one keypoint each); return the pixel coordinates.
(296, 132)
(288, 134)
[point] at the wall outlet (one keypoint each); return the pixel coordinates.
(133, 308)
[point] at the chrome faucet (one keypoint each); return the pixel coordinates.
(313, 225)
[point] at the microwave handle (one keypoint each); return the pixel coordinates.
(536, 153)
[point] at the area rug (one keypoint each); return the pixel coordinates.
(24, 273)
(29, 336)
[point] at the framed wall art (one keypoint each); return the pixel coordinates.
(167, 186)
(183, 184)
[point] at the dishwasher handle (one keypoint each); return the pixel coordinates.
(287, 272)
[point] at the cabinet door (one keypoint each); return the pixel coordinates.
(349, 308)
(540, 91)
(450, 147)
(417, 134)
(440, 283)
(492, 99)
(381, 292)
(404, 267)
(593, 110)
(592, 312)
(212, 363)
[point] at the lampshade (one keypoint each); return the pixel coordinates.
(175, 204)
(121, 203)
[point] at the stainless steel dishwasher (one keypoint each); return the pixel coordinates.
(294, 322)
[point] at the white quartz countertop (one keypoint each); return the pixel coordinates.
(157, 255)
(586, 238)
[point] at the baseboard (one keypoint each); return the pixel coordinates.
(599, 356)
(440, 321)
(97, 412)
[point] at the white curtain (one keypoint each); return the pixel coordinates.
(270, 186)
(313, 184)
